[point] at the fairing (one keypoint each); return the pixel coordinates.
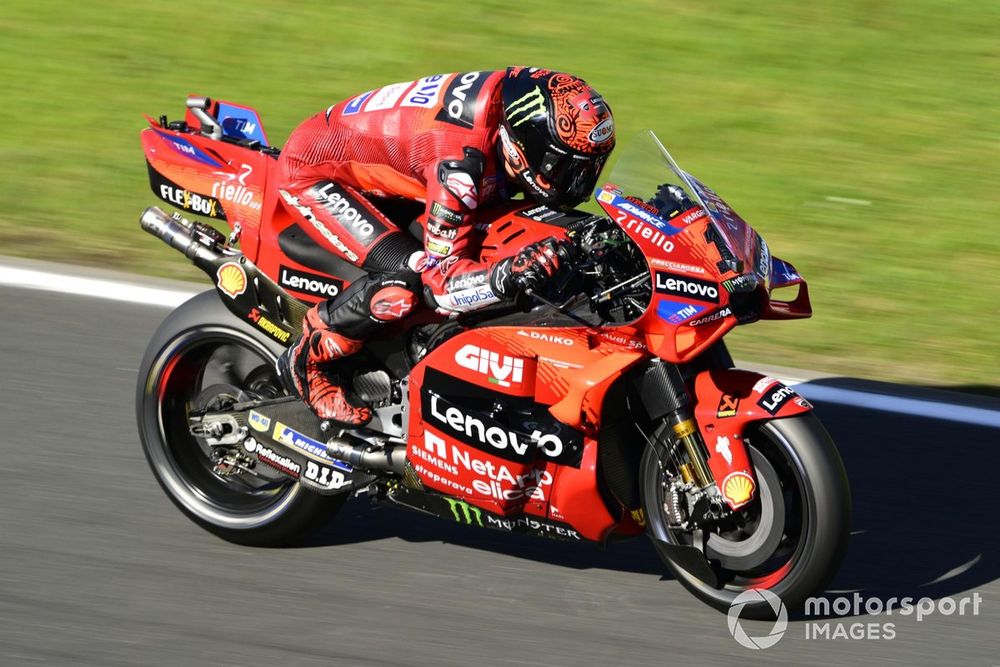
(710, 269)
(490, 438)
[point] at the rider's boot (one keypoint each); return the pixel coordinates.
(307, 369)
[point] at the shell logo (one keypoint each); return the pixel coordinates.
(232, 279)
(738, 489)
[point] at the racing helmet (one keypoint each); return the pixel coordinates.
(556, 134)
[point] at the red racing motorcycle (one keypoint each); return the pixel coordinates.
(601, 407)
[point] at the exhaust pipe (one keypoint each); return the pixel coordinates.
(391, 460)
(206, 247)
(197, 241)
(203, 245)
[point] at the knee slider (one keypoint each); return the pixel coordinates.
(394, 296)
(392, 303)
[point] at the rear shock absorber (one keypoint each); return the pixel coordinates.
(664, 395)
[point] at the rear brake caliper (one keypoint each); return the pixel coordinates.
(229, 461)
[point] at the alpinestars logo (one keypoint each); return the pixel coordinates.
(392, 310)
(308, 214)
(460, 185)
(500, 370)
(500, 277)
(526, 107)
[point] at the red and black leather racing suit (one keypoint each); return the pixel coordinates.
(432, 140)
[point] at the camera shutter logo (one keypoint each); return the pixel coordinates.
(776, 632)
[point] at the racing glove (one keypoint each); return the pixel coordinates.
(529, 268)
(671, 200)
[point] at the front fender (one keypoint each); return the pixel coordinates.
(727, 403)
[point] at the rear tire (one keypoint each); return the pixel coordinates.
(202, 347)
(815, 523)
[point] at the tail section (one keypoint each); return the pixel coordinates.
(215, 163)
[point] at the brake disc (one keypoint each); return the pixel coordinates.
(753, 547)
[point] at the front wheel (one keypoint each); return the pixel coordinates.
(204, 358)
(789, 540)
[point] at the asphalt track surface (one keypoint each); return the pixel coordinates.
(98, 567)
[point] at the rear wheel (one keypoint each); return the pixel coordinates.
(203, 358)
(790, 539)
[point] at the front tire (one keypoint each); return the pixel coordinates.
(200, 354)
(798, 466)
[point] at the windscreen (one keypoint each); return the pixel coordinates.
(644, 164)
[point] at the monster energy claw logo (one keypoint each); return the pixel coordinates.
(467, 514)
(527, 107)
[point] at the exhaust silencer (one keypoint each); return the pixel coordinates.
(206, 247)
(199, 242)
(387, 459)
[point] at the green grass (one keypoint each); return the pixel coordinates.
(779, 106)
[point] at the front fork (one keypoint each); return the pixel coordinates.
(685, 431)
(667, 400)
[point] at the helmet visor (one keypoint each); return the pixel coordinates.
(572, 176)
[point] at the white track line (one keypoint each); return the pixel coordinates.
(916, 407)
(93, 287)
(153, 296)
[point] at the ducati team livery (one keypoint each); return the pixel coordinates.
(598, 407)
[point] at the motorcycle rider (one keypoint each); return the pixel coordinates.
(456, 142)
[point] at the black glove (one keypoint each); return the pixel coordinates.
(670, 200)
(529, 268)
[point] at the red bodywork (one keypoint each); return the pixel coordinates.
(234, 183)
(558, 376)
